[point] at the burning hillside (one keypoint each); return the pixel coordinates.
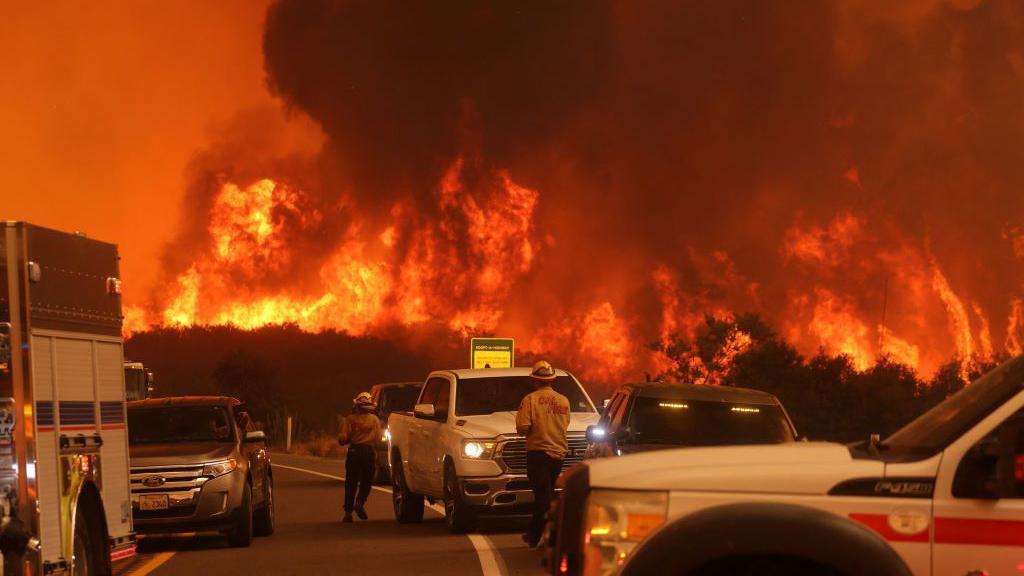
(595, 183)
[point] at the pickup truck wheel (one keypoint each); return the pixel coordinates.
(241, 535)
(408, 506)
(458, 515)
(264, 520)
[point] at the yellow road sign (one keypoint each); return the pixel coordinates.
(492, 353)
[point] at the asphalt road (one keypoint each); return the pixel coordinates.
(310, 538)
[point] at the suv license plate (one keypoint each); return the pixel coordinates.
(153, 502)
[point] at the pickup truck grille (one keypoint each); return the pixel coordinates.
(512, 453)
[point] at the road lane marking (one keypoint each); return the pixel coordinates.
(154, 563)
(331, 476)
(490, 562)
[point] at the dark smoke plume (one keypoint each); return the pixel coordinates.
(394, 83)
(655, 131)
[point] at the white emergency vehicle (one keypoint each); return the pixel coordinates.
(459, 445)
(64, 489)
(943, 496)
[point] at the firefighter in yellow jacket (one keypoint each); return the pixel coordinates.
(361, 431)
(543, 418)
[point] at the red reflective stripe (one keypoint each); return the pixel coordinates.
(880, 524)
(122, 554)
(113, 426)
(979, 532)
(79, 427)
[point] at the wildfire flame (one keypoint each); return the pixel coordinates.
(459, 268)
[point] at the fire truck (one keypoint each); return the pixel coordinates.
(138, 381)
(943, 496)
(64, 484)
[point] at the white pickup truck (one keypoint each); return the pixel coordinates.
(943, 496)
(460, 444)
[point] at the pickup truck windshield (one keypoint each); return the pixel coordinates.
(477, 396)
(940, 426)
(706, 423)
(169, 424)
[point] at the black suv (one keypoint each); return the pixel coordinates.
(394, 397)
(655, 415)
(198, 464)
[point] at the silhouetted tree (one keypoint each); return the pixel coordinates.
(249, 378)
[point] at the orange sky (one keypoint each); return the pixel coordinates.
(103, 104)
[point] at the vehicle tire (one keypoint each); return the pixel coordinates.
(263, 522)
(82, 558)
(408, 506)
(458, 516)
(89, 556)
(241, 535)
(765, 566)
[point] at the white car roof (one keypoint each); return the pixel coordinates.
(496, 372)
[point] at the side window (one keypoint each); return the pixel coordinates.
(430, 390)
(994, 467)
(619, 418)
(436, 392)
(609, 412)
(443, 397)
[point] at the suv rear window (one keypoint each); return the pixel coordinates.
(171, 424)
(706, 423)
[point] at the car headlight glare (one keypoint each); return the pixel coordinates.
(220, 467)
(477, 449)
(616, 521)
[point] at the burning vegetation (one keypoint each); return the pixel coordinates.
(613, 186)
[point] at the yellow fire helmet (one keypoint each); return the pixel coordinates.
(364, 400)
(543, 371)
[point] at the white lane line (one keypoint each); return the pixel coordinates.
(490, 562)
(331, 476)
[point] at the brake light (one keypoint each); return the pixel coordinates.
(1018, 468)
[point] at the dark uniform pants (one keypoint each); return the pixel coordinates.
(359, 470)
(542, 470)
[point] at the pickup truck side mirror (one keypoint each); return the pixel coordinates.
(256, 436)
(424, 411)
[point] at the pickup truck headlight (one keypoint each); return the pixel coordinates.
(478, 449)
(616, 521)
(220, 467)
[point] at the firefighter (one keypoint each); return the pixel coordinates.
(543, 418)
(361, 431)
